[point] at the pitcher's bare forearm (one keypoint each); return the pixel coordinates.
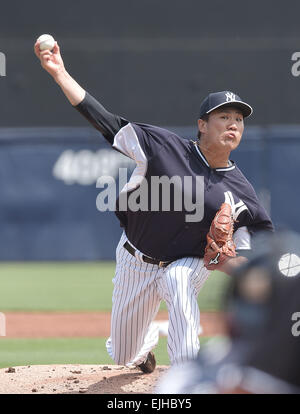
(73, 91)
(52, 62)
(101, 119)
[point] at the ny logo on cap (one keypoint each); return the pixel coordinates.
(230, 96)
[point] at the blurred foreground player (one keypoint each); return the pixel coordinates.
(262, 352)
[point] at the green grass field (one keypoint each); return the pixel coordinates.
(51, 287)
(76, 286)
(18, 352)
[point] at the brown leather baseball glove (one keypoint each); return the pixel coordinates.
(220, 246)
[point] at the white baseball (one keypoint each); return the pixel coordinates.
(46, 42)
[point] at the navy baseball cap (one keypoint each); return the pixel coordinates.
(225, 98)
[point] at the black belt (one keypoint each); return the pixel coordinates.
(146, 259)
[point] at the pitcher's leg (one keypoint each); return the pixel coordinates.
(182, 281)
(135, 304)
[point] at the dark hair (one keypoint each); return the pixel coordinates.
(205, 118)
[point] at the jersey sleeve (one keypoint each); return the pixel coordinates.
(134, 140)
(261, 222)
(141, 140)
(242, 238)
(250, 212)
(104, 121)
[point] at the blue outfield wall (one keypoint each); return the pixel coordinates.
(48, 188)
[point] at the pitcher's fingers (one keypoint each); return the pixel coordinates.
(39, 52)
(56, 49)
(46, 53)
(45, 57)
(37, 49)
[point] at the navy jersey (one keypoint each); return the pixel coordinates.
(173, 225)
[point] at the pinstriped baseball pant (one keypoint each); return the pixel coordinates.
(139, 288)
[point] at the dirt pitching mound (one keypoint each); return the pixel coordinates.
(77, 379)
